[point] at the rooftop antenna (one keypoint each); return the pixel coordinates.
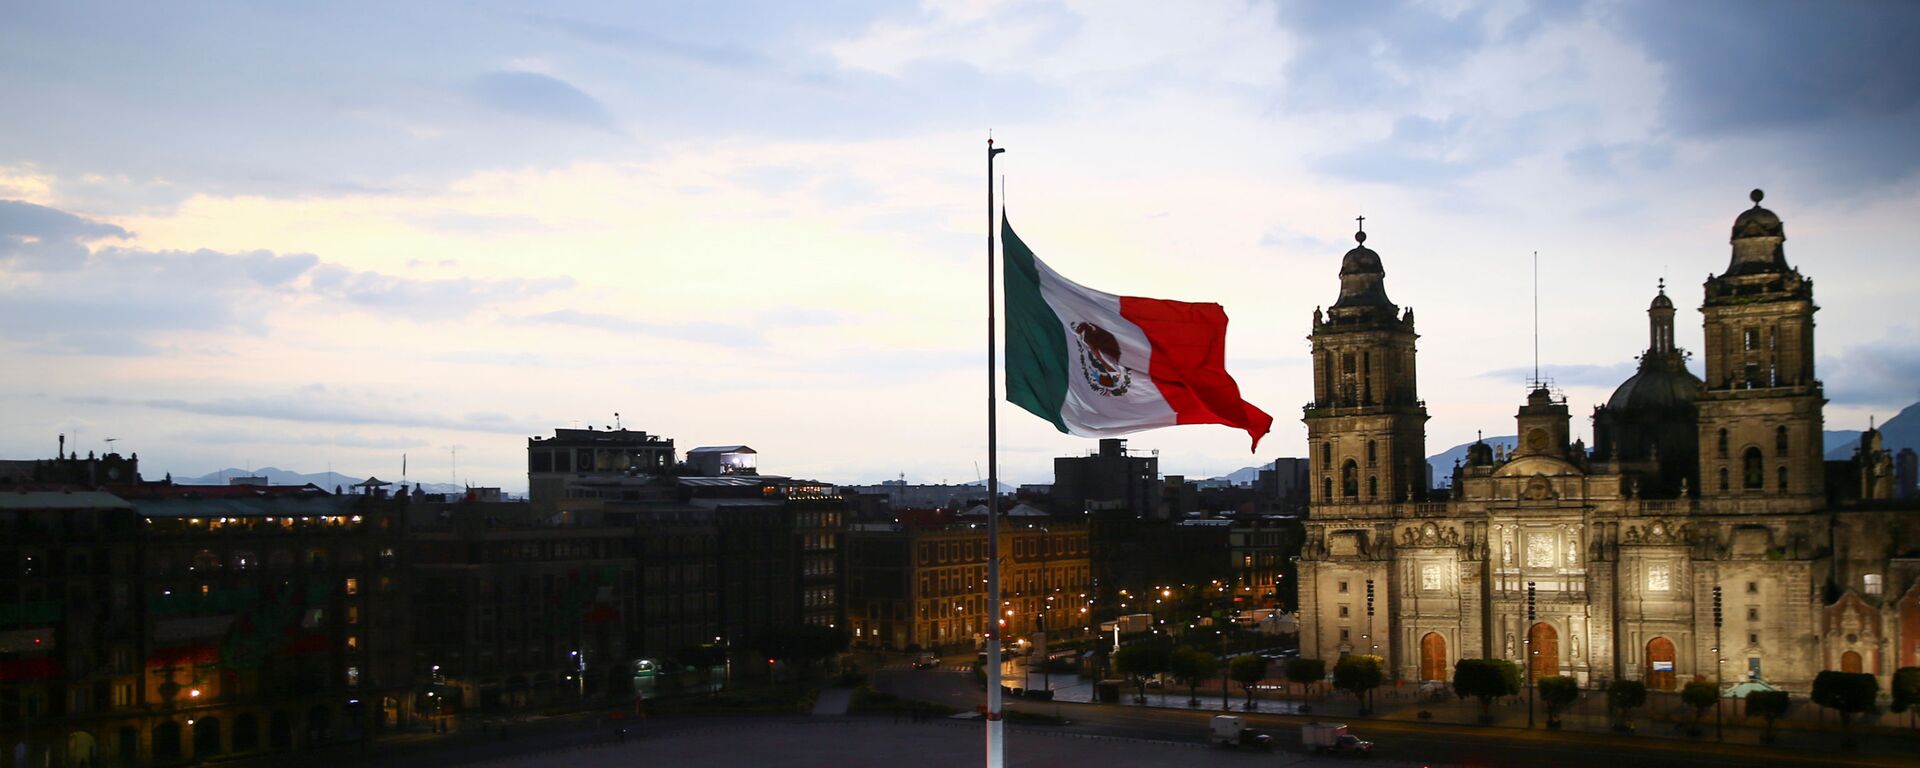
(109, 441)
(616, 420)
(1536, 317)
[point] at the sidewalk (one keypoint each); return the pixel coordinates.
(1662, 718)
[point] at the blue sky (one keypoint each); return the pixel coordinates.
(238, 234)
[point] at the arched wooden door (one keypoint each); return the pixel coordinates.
(1545, 647)
(1850, 662)
(1433, 657)
(1660, 664)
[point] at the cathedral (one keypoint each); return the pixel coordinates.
(1704, 532)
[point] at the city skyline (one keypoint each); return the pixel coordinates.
(299, 238)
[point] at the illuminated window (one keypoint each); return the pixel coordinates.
(1871, 583)
(353, 614)
(353, 642)
(353, 586)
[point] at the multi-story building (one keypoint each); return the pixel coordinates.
(190, 622)
(912, 586)
(515, 608)
(573, 454)
(1110, 475)
(1702, 537)
(72, 635)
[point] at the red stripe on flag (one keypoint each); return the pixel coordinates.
(1190, 365)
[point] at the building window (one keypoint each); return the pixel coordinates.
(1870, 583)
(1371, 453)
(1753, 613)
(1780, 441)
(1326, 455)
(1753, 638)
(1754, 475)
(353, 586)
(1350, 479)
(1723, 478)
(1753, 587)
(1343, 612)
(1346, 634)
(1783, 479)
(1723, 443)
(1752, 339)
(1373, 487)
(1343, 587)
(1326, 488)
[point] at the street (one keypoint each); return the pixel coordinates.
(1423, 743)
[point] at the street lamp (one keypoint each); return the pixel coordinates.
(1532, 615)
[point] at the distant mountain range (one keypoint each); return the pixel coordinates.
(325, 480)
(1901, 431)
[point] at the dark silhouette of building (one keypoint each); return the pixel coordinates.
(1110, 475)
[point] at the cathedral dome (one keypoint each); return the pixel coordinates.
(1361, 260)
(1660, 301)
(1362, 279)
(1663, 385)
(1757, 221)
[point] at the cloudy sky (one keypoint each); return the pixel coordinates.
(274, 234)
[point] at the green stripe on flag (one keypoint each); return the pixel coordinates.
(1036, 347)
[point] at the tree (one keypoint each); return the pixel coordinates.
(1906, 691)
(1190, 666)
(1248, 670)
(1700, 694)
(1768, 706)
(1139, 662)
(1557, 692)
(1624, 696)
(1848, 693)
(1359, 675)
(1486, 680)
(1306, 671)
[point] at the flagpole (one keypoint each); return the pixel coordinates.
(996, 735)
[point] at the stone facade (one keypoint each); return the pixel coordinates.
(1705, 536)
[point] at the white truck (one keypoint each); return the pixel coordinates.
(1232, 731)
(1333, 738)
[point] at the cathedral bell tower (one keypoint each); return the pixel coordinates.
(1366, 426)
(1760, 408)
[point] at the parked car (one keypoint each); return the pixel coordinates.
(926, 661)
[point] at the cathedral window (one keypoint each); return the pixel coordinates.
(1780, 441)
(1870, 583)
(1723, 443)
(1723, 478)
(1349, 380)
(1752, 339)
(1373, 487)
(1753, 613)
(1350, 479)
(1783, 479)
(1343, 612)
(1326, 455)
(1326, 488)
(1754, 474)
(1753, 587)
(1371, 453)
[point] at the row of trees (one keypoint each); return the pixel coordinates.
(1848, 694)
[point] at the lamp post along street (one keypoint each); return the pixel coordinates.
(1532, 653)
(1719, 719)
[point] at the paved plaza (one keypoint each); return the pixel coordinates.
(862, 742)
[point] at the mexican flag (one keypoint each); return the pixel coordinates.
(1098, 365)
